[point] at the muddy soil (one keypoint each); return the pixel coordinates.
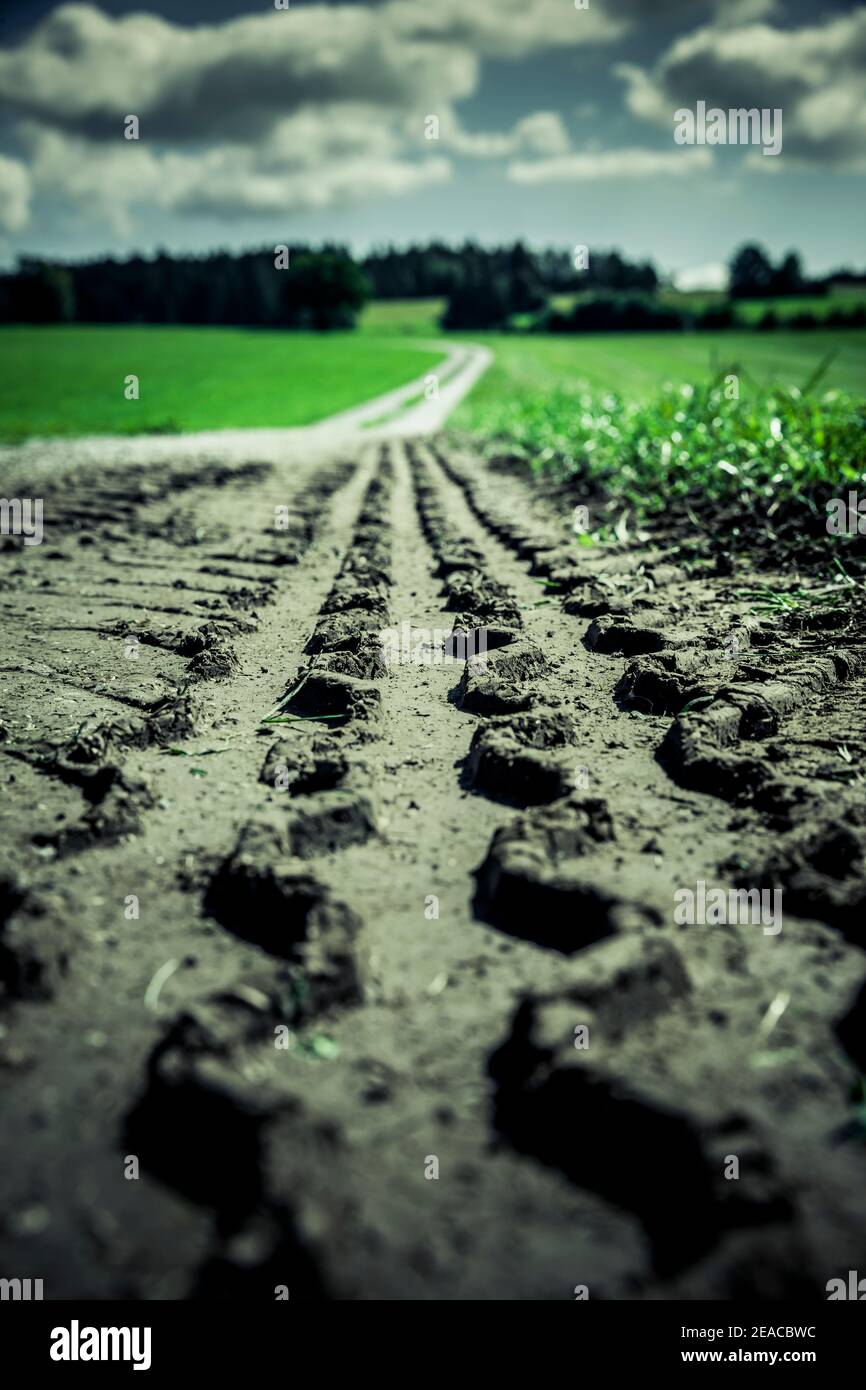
(354, 970)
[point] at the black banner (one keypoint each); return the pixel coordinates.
(159, 1339)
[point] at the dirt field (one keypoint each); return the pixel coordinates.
(388, 1000)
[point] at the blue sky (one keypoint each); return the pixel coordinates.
(260, 126)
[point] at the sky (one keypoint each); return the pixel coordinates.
(554, 122)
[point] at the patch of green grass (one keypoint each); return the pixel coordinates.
(751, 311)
(776, 601)
(654, 442)
(320, 1046)
(408, 317)
(70, 381)
(420, 317)
(852, 297)
(748, 312)
(638, 364)
(692, 301)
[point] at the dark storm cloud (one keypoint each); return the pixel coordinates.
(84, 71)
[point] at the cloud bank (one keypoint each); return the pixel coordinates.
(319, 106)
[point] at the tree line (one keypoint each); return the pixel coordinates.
(300, 287)
(325, 287)
(293, 287)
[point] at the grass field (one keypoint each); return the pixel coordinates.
(651, 418)
(637, 364)
(414, 318)
(748, 311)
(845, 297)
(70, 381)
(420, 317)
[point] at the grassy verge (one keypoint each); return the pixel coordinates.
(751, 311)
(692, 442)
(414, 318)
(420, 317)
(659, 424)
(70, 381)
(639, 364)
(748, 312)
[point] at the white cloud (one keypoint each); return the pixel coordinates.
(513, 29)
(276, 112)
(84, 70)
(645, 95)
(307, 163)
(612, 164)
(815, 75)
(285, 111)
(226, 187)
(14, 195)
(505, 28)
(312, 107)
(541, 133)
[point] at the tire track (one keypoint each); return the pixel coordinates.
(533, 1070)
(366, 939)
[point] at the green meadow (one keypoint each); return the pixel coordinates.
(70, 381)
(653, 419)
(636, 365)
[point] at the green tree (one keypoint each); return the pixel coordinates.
(482, 301)
(323, 291)
(751, 273)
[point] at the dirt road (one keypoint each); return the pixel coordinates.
(389, 999)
